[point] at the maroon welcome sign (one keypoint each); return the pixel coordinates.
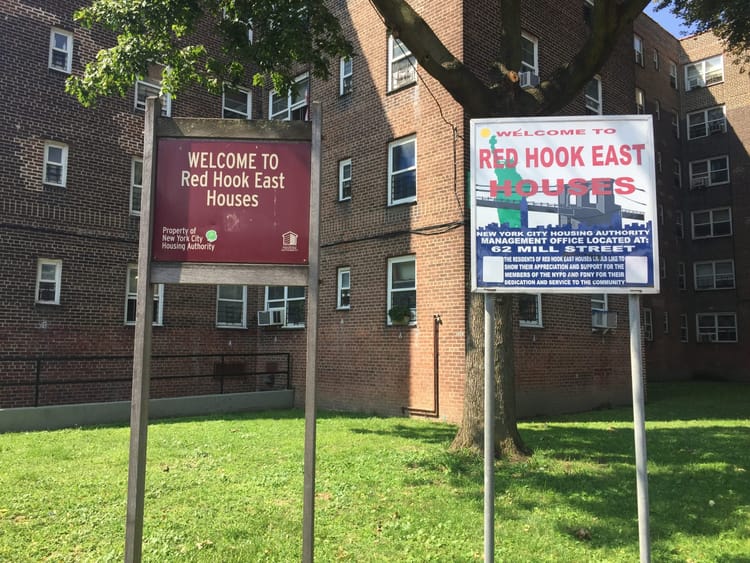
(232, 201)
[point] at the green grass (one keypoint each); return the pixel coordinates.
(230, 489)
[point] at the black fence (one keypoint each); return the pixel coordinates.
(57, 380)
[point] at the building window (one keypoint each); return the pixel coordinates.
(402, 70)
(601, 317)
(343, 288)
(709, 172)
(236, 103)
(402, 171)
(289, 298)
(61, 50)
(656, 60)
(659, 165)
(714, 274)
(684, 332)
(530, 310)
(345, 179)
(673, 75)
(648, 325)
(136, 185)
(402, 285)
(247, 24)
(657, 109)
(677, 173)
(678, 226)
(55, 164)
(593, 96)
(638, 47)
(711, 223)
(529, 53)
(131, 298)
(706, 122)
(640, 101)
(144, 89)
(675, 125)
(345, 76)
(716, 327)
(681, 276)
(704, 73)
(666, 322)
(48, 276)
(231, 306)
(291, 106)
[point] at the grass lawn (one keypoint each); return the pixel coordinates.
(230, 488)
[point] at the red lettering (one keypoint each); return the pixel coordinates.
(577, 186)
(624, 185)
(601, 186)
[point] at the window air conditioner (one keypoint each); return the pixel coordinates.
(716, 127)
(528, 79)
(698, 183)
(603, 320)
(271, 317)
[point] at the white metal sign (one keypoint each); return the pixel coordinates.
(564, 204)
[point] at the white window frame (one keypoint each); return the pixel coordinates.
(679, 224)
(242, 301)
(42, 277)
(594, 106)
(343, 288)
(704, 73)
(599, 304)
(716, 333)
(640, 101)
(394, 292)
(673, 81)
(61, 164)
(706, 122)
(638, 48)
(394, 173)
(345, 179)
(715, 174)
(530, 66)
(285, 302)
(684, 328)
(707, 271)
(656, 59)
(297, 103)
(136, 187)
(131, 298)
(648, 325)
(536, 322)
(67, 51)
(402, 65)
(681, 276)
(146, 88)
(228, 112)
(346, 76)
(676, 124)
(711, 222)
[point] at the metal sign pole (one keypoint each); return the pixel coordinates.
(142, 346)
(308, 509)
(489, 428)
(639, 426)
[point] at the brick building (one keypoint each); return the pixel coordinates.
(699, 98)
(394, 228)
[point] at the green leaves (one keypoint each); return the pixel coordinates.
(208, 43)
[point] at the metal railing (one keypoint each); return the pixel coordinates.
(172, 375)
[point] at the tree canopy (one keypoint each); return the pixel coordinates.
(729, 19)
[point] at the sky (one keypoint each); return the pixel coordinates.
(668, 21)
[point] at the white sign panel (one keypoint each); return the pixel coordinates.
(564, 204)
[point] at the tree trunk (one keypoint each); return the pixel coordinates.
(508, 443)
